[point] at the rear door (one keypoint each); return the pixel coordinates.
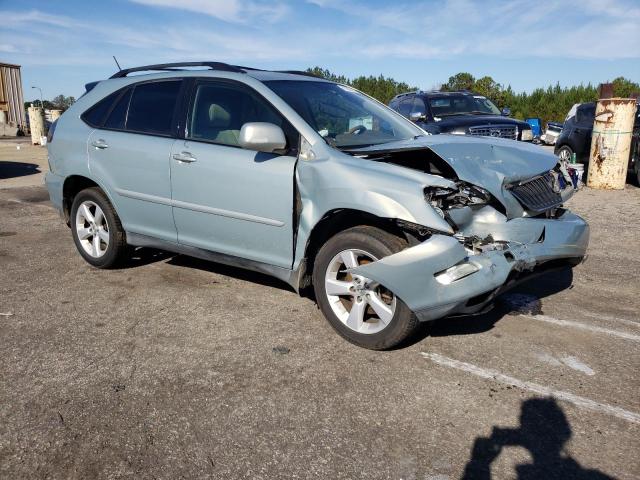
(130, 155)
(225, 198)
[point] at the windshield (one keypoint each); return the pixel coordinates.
(462, 105)
(344, 117)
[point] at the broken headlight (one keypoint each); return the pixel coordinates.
(444, 198)
(461, 270)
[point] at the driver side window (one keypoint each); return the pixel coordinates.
(219, 110)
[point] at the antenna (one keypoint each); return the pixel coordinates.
(116, 60)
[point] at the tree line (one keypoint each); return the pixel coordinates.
(549, 104)
(59, 102)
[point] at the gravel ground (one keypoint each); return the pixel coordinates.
(180, 368)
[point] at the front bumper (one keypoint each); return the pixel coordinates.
(410, 274)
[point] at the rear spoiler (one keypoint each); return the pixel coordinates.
(89, 86)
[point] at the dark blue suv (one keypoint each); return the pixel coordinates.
(460, 113)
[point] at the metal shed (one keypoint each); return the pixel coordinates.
(11, 98)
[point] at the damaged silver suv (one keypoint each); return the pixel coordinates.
(314, 183)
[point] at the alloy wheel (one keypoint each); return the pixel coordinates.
(92, 229)
(565, 155)
(361, 304)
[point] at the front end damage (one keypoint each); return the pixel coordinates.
(504, 229)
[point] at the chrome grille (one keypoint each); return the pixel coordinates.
(538, 194)
(498, 131)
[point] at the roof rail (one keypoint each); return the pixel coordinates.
(299, 72)
(414, 92)
(177, 66)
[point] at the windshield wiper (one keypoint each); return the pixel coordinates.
(346, 148)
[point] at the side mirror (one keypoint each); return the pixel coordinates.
(262, 137)
(417, 116)
(506, 112)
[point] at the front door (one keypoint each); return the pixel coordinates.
(225, 198)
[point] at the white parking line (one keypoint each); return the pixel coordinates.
(583, 326)
(626, 321)
(533, 387)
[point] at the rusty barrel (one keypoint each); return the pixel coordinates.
(36, 124)
(610, 143)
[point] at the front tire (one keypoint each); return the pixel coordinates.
(96, 229)
(360, 310)
(565, 153)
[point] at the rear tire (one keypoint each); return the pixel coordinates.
(384, 320)
(96, 229)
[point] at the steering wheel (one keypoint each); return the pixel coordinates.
(357, 130)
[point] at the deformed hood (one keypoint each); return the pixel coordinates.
(477, 159)
(489, 163)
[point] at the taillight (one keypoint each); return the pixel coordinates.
(52, 129)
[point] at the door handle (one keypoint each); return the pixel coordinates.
(184, 157)
(100, 144)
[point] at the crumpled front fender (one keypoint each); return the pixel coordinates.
(411, 273)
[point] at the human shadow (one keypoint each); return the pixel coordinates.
(544, 430)
(17, 169)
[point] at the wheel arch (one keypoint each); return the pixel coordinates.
(563, 143)
(340, 219)
(73, 185)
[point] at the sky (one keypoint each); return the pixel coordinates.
(61, 45)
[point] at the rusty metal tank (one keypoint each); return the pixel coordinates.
(610, 143)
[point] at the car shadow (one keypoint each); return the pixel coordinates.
(508, 303)
(544, 431)
(229, 271)
(140, 256)
(536, 288)
(17, 169)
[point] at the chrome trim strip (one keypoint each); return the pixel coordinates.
(143, 196)
(226, 213)
(199, 208)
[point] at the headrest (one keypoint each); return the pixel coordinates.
(218, 116)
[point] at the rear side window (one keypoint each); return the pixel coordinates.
(118, 115)
(96, 114)
(151, 107)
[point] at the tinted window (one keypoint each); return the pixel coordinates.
(151, 107)
(95, 115)
(418, 106)
(586, 114)
(406, 104)
(118, 115)
(219, 111)
(452, 104)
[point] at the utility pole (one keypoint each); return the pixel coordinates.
(41, 102)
